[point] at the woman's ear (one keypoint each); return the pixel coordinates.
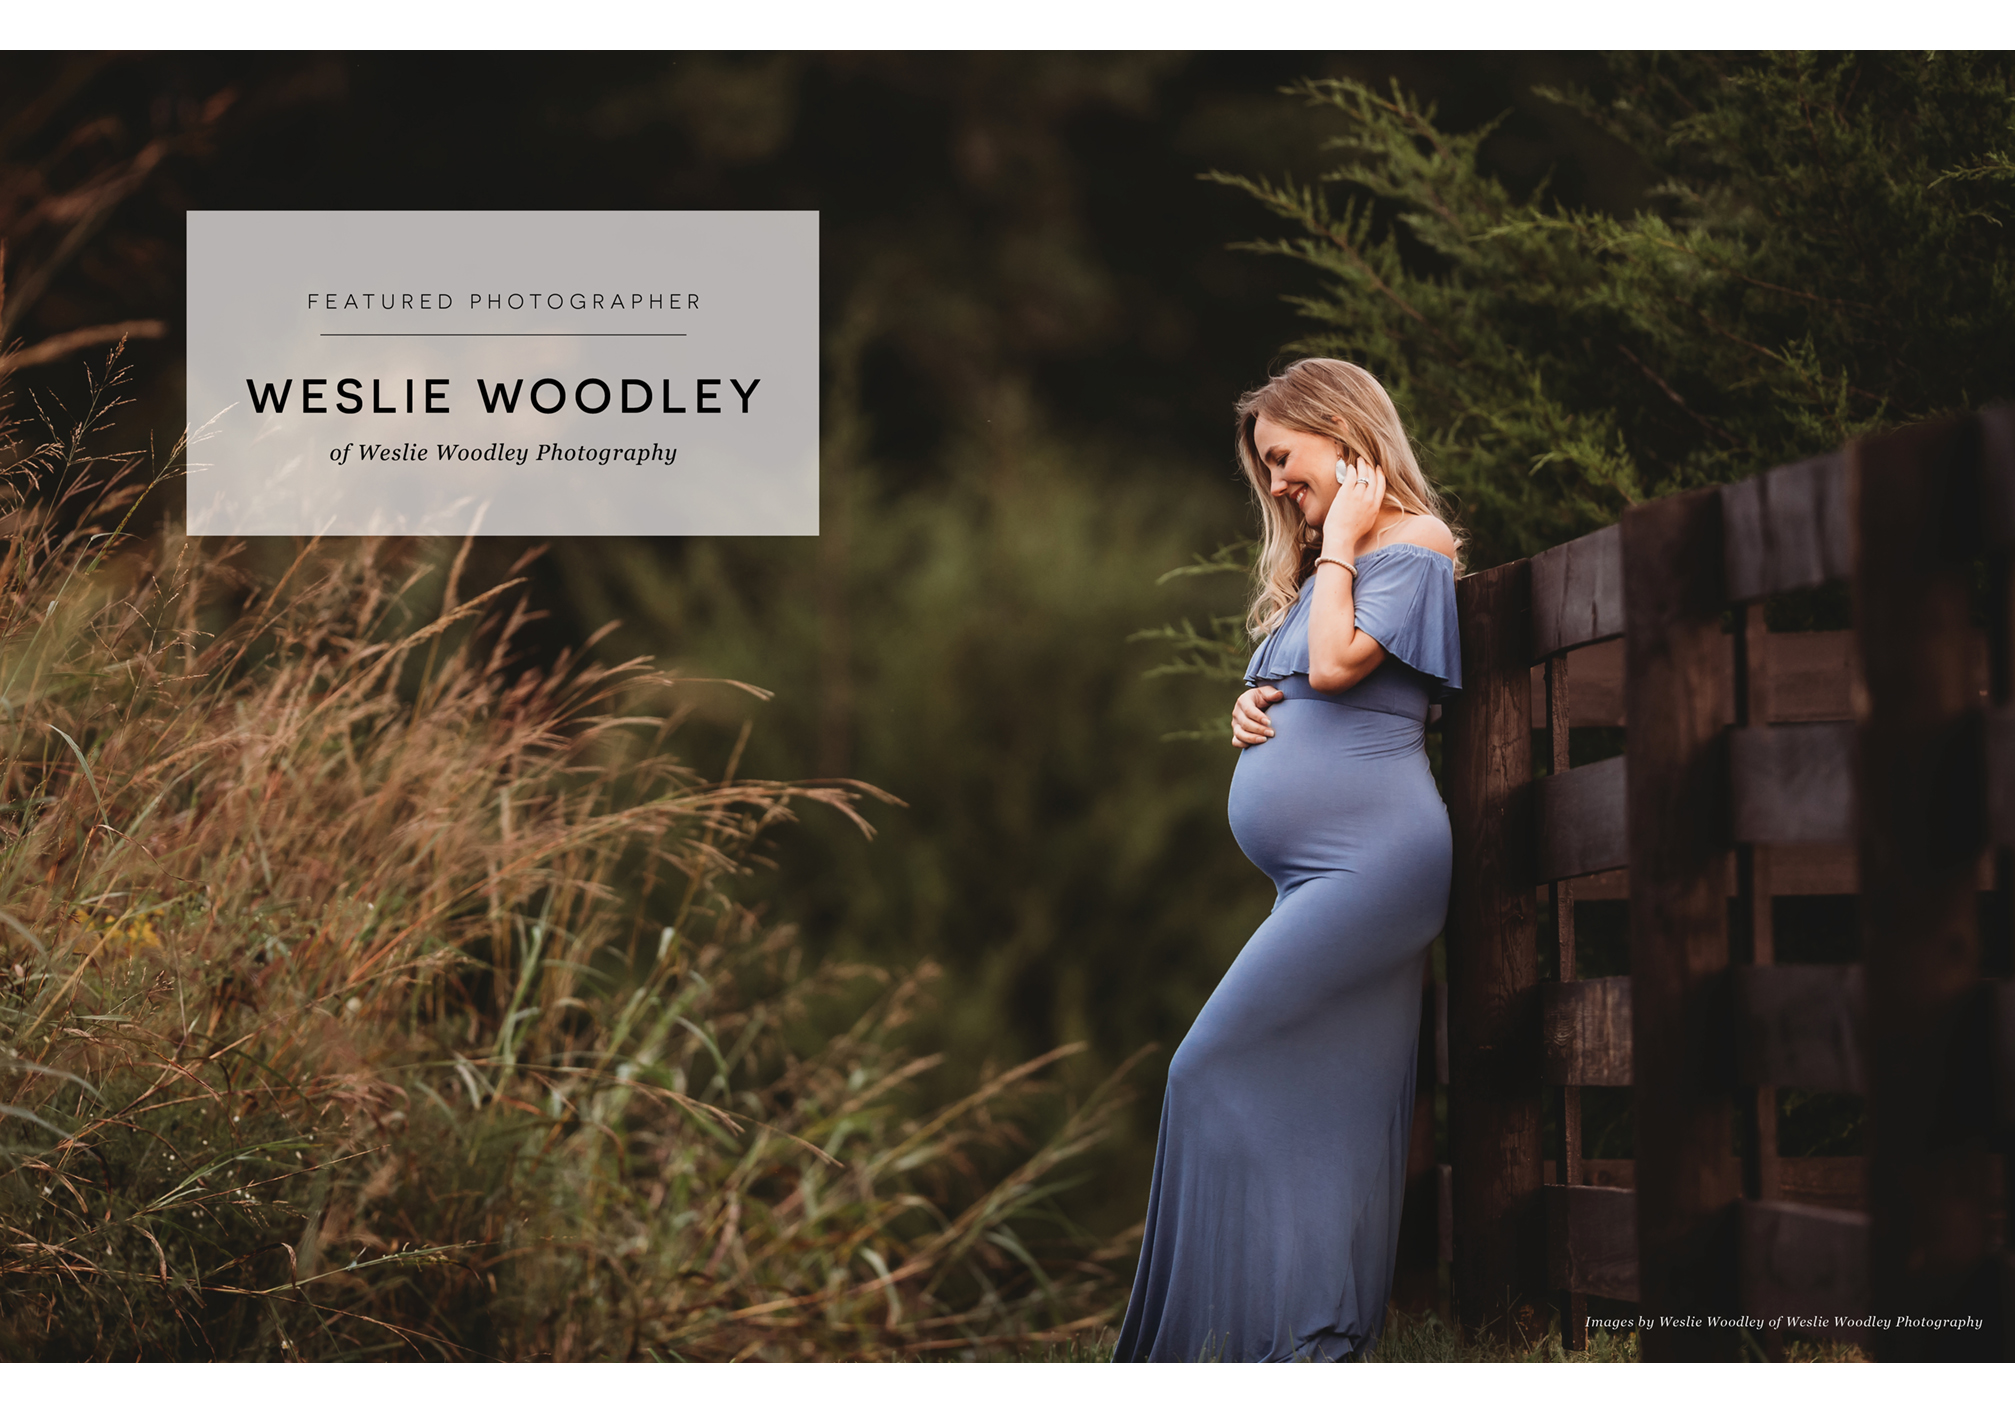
(1346, 446)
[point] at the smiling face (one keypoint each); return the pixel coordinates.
(1287, 436)
(1301, 467)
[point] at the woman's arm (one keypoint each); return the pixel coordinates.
(1339, 656)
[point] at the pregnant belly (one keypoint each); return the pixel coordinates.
(1339, 789)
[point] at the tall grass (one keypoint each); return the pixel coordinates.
(369, 991)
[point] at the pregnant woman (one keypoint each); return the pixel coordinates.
(1273, 1220)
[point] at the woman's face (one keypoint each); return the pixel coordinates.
(1302, 468)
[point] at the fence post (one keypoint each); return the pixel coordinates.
(1572, 1304)
(1687, 1178)
(1997, 946)
(1493, 961)
(1922, 799)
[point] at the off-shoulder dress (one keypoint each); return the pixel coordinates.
(1273, 1219)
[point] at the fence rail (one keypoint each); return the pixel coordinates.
(1878, 761)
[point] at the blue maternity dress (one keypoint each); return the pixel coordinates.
(1273, 1219)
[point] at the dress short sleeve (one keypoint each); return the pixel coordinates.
(1405, 596)
(1285, 650)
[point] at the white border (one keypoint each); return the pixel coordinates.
(1023, 24)
(996, 1388)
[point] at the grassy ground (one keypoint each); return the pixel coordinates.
(1423, 1338)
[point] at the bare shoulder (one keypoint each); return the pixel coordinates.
(1424, 530)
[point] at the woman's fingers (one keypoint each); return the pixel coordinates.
(1359, 500)
(1364, 482)
(1249, 724)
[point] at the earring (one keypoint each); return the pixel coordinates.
(1341, 467)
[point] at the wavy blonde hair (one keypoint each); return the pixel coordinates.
(1325, 397)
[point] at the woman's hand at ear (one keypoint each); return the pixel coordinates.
(1359, 499)
(1249, 725)
(1339, 656)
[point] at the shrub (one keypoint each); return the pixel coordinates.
(1821, 251)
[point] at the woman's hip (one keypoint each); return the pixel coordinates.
(1332, 977)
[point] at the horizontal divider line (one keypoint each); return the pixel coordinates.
(553, 334)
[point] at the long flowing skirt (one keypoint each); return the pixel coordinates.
(1273, 1220)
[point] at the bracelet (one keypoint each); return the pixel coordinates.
(1325, 559)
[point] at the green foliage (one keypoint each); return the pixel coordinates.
(1217, 653)
(963, 645)
(1829, 249)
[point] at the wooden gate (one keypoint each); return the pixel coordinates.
(1755, 765)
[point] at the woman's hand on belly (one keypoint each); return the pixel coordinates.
(1249, 724)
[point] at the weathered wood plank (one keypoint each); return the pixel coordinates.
(1755, 913)
(1837, 1183)
(1679, 919)
(1577, 593)
(2004, 1268)
(1587, 1029)
(1796, 1026)
(1796, 871)
(1444, 1177)
(1997, 461)
(1578, 821)
(1799, 1260)
(1597, 673)
(1787, 529)
(2002, 1010)
(1918, 523)
(1792, 784)
(1800, 1027)
(1806, 870)
(1997, 438)
(1572, 1305)
(1441, 1032)
(1610, 885)
(1810, 678)
(1591, 1241)
(1493, 967)
(1609, 1172)
(2001, 775)
(1754, 920)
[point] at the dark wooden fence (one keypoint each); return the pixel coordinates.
(1878, 761)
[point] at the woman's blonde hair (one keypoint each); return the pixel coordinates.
(1326, 397)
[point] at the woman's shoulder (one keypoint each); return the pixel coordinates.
(1424, 531)
(1407, 601)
